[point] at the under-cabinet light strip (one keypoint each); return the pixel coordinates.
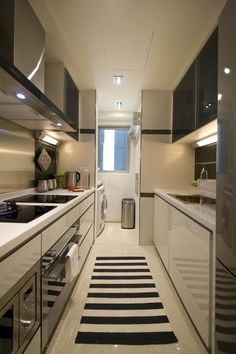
(207, 141)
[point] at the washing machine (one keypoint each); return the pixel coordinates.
(101, 207)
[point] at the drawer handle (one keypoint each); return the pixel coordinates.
(25, 323)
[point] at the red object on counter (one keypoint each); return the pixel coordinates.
(71, 187)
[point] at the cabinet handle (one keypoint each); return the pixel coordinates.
(25, 323)
(52, 253)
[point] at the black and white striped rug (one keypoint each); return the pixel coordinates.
(123, 305)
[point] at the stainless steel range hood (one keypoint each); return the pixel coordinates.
(36, 111)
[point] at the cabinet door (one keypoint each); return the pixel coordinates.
(71, 101)
(184, 104)
(207, 81)
(9, 335)
(161, 229)
(189, 268)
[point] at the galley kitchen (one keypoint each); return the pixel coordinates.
(117, 205)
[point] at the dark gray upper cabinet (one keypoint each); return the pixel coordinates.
(195, 98)
(184, 104)
(207, 81)
(71, 100)
(61, 89)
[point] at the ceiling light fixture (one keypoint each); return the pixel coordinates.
(48, 139)
(207, 141)
(227, 71)
(118, 79)
(21, 96)
(59, 124)
(119, 104)
(220, 96)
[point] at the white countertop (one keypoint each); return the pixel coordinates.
(203, 214)
(13, 234)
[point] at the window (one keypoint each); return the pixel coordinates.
(113, 149)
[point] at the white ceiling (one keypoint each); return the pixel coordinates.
(150, 42)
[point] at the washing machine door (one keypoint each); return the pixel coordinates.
(104, 206)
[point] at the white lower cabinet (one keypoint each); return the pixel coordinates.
(162, 228)
(52, 233)
(184, 247)
(189, 269)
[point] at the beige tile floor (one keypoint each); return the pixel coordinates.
(117, 241)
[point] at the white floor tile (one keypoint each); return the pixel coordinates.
(116, 241)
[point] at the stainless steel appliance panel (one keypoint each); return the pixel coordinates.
(29, 306)
(16, 150)
(9, 327)
(20, 312)
(56, 286)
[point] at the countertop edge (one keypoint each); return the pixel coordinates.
(200, 214)
(15, 235)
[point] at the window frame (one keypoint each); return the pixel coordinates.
(111, 127)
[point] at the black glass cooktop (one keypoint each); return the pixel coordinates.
(25, 213)
(43, 198)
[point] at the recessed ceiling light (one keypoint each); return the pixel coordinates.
(227, 71)
(119, 104)
(118, 79)
(21, 96)
(59, 124)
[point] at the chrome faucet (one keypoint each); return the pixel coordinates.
(204, 173)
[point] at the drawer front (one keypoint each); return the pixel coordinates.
(14, 267)
(85, 246)
(53, 233)
(58, 228)
(86, 221)
(75, 213)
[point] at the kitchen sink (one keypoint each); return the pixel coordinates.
(193, 198)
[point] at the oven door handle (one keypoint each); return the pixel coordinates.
(25, 323)
(76, 238)
(56, 272)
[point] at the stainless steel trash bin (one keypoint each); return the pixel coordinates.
(128, 213)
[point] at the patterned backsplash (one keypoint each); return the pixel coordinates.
(49, 171)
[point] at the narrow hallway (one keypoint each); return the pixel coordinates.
(115, 241)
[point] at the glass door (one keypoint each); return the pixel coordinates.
(8, 327)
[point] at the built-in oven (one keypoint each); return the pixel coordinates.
(20, 312)
(57, 284)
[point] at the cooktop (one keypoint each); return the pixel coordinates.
(43, 198)
(24, 213)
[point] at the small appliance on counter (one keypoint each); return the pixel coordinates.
(72, 179)
(60, 179)
(84, 178)
(42, 186)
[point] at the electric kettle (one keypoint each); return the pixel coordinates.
(72, 178)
